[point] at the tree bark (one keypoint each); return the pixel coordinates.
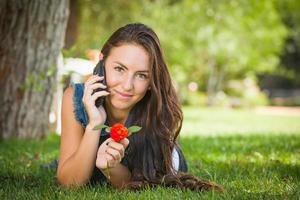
(31, 36)
(72, 25)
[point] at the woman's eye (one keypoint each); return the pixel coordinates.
(142, 76)
(119, 69)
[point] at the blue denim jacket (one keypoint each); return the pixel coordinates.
(79, 110)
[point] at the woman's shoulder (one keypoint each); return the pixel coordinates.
(68, 93)
(72, 93)
(67, 98)
(73, 90)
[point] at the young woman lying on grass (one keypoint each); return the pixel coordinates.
(138, 91)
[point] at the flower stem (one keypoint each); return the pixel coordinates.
(107, 171)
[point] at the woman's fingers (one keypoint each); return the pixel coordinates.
(110, 153)
(93, 79)
(124, 142)
(114, 153)
(99, 94)
(110, 161)
(92, 84)
(104, 146)
(118, 147)
(97, 85)
(105, 161)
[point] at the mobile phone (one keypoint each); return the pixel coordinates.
(100, 71)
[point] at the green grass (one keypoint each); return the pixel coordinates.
(253, 156)
(216, 121)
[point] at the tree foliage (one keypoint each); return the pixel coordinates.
(213, 40)
(290, 58)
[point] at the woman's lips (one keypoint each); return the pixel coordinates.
(124, 95)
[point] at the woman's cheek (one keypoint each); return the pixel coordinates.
(143, 87)
(112, 81)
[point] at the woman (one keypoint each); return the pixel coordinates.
(139, 92)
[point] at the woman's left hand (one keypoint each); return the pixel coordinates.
(110, 153)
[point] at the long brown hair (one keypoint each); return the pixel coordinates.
(149, 154)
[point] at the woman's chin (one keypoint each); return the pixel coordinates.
(121, 105)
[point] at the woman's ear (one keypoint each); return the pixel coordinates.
(149, 88)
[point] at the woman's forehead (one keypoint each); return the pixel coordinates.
(130, 55)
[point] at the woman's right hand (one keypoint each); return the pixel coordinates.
(96, 115)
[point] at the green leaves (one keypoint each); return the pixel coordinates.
(107, 129)
(133, 129)
(100, 126)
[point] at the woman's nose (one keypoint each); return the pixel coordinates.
(128, 83)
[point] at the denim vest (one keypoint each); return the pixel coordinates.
(79, 110)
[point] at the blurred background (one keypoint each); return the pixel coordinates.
(229, 53)
(232, 54)
(235, 65)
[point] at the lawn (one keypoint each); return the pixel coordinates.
(253, 156)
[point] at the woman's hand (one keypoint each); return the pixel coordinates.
(110, 153)
(96, 115)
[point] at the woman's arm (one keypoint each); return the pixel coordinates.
(78, 147)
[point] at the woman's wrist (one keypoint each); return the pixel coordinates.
(91, 126)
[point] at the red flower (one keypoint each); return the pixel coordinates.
(118, 132)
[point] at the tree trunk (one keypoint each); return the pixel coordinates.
(72, 25)
(32, 34)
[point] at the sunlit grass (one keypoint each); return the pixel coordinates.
(220, 145)
(220, 121)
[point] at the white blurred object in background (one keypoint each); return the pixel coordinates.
(77, 69)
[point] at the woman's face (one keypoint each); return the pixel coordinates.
(127, 75)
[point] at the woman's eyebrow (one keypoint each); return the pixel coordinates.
(143, 71)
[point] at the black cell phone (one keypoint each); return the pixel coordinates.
(100, 71)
